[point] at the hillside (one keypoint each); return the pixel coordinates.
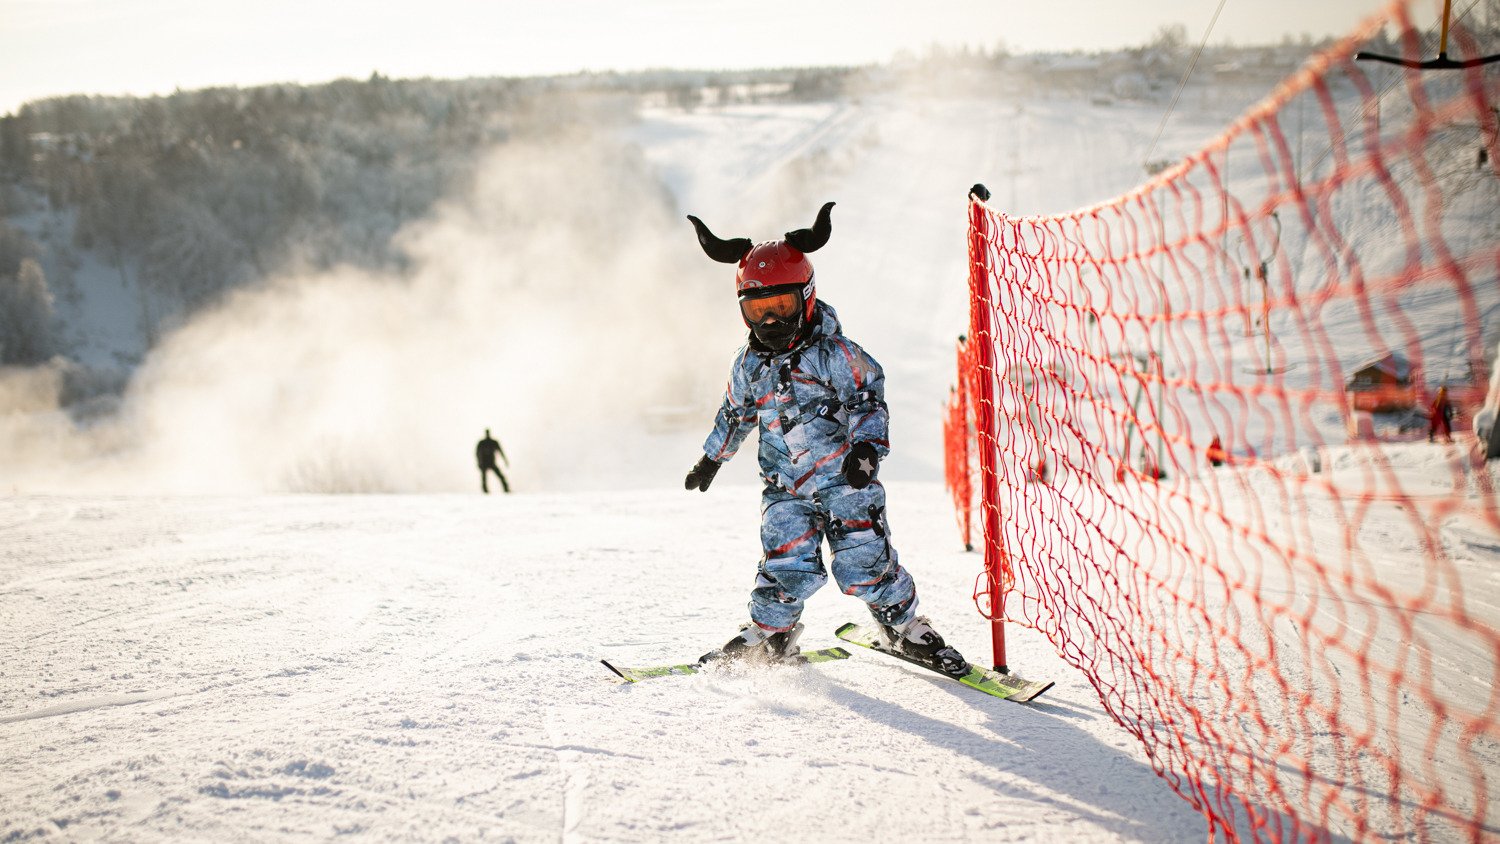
(386, 338)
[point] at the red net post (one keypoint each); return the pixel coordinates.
(982, 381)
(957, 433)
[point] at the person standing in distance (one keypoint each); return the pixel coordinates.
(1440, 417)
(485, 453)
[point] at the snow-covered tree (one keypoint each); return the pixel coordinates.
(26, 326)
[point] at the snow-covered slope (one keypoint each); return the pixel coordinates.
(426, 667)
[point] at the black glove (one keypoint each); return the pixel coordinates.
(861, 464)
(980, 191)
(702, 474)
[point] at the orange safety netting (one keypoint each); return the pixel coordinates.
(1201, 415)
(957, 434)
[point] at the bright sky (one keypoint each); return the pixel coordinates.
(154, 46)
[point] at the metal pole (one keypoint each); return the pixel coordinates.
(1265, 311)
(1443, 43)
(1160, 343)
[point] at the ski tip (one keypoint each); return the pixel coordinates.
(1021, 690)
(1036, 694)
(845, 628)
(622, 675)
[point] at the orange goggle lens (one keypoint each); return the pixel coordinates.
(781, 306)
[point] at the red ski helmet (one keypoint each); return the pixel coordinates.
(773, 268)
(768, 269)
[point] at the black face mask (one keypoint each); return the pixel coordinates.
(775, 334)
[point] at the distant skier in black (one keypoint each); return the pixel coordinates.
(485, 453)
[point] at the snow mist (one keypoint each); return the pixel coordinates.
(560, 300)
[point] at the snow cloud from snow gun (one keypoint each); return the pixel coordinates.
(553, 300)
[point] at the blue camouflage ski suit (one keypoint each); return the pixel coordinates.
(811, 404)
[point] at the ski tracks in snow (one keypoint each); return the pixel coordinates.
(405, 668)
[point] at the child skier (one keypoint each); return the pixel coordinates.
(818, 400)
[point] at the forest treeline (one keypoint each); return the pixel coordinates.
(198, 192)
(190, 195)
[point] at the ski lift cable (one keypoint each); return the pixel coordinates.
(1161, 127)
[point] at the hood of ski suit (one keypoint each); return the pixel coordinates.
(810, 405)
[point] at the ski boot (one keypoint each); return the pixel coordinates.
(757, 644)
(920, 642)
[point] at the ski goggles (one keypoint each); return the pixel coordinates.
(783, 306)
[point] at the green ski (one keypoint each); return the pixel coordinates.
(635, 675)
(1006, 686)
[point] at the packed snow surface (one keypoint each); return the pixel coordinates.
(427, 667)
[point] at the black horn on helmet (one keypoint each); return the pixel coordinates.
(723, 251)
(813, 239)
(775, 279)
